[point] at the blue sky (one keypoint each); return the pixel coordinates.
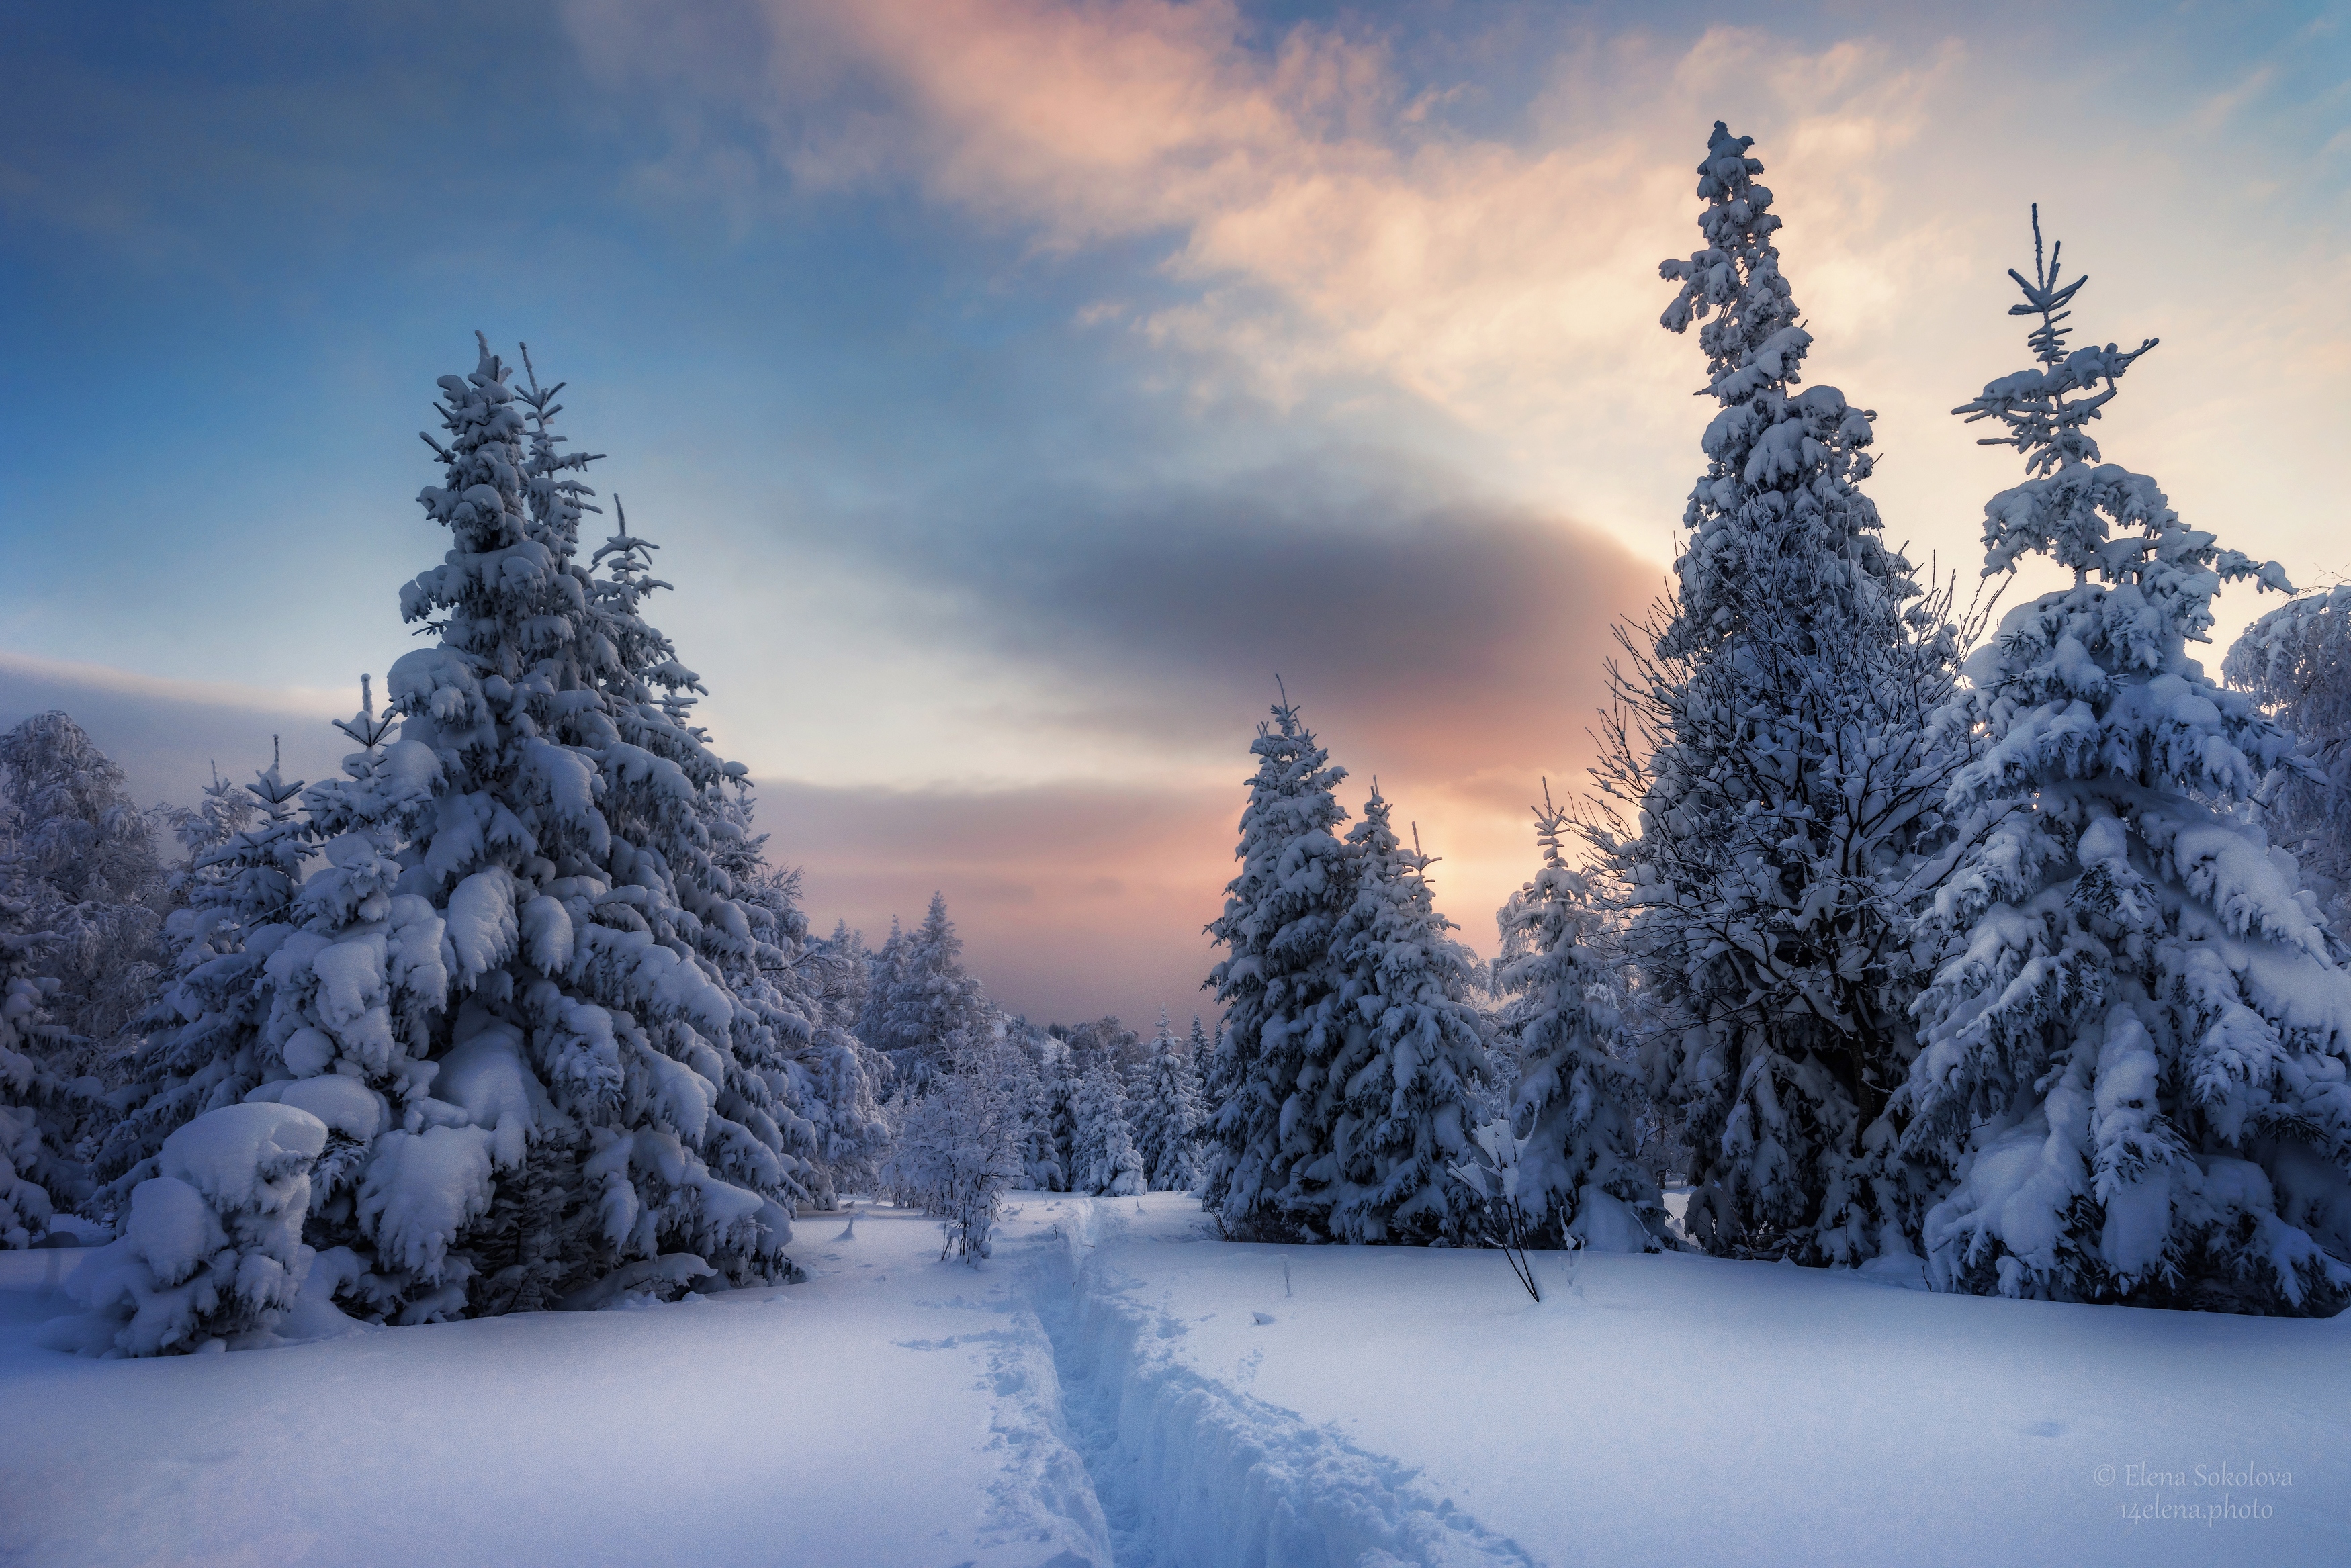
(1015, 387)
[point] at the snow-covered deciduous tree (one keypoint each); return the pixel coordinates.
(1399, 1095)
(955, 1154)
(81, 858)
(1106, 1158)
(1770, 743)
(1573, 1174)
(211, 1253)
(2296, 662)
(1164, 1095)
(1269, 1175)
(2137, 1073)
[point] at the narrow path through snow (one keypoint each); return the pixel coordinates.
(1193, 1473)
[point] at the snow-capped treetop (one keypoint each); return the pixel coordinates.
(1780, 463)
(2048, 412)
(922, 1009)
(2151, 714)
(1752, 340)
(1281, 905)
(73, 828)
(2103, 521)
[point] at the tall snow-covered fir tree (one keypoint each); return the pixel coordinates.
(1106, 1160)
(1578, 1178)
(1771, 738)
(1163, 1098)
(881, 968)
(1270, 1175)
(2296, 662)
(2137, 1075)
(506, 992)
(1030, 1067)
(924, 1008)
(38, 1104)
(1399, 1095)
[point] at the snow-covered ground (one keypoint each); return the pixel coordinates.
(1115, 1386)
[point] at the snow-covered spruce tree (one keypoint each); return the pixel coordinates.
(1057, 1077)
(1397, 1096)
(1107, 1160)
(227, 810)
(839, 1079)
(506, 990)
(1771, 740)
(1164, 1094)
(1577, 1177)
(2135, 1077)
(1030, 1065)
(922, 1002)
(837, 1130)
(882, 965)
(82, 860)
(570, 852)
(37, 1106)
(203, 1045)
(2296, 662)
(1268, 1177)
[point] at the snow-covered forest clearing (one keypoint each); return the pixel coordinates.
(1906, 1118)
(1119, 1386)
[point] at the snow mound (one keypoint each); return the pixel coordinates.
(212, 1255)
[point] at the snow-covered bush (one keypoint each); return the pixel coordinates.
(1397, 1096)
(2135, 1083)
(1269, 1175)
(211, 1253)
(1572, 1174)
(1770, 745)
(2296, 662)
